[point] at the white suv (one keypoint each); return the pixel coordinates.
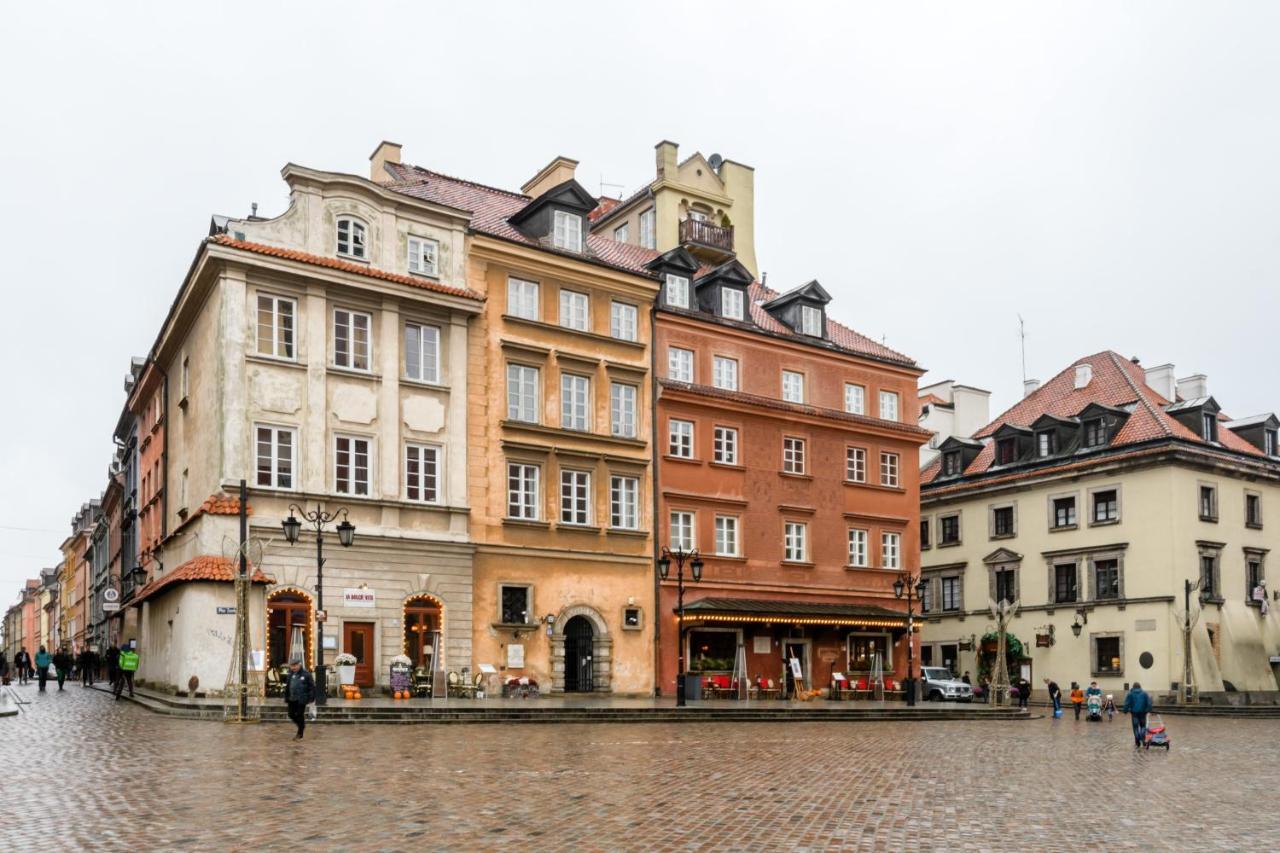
(939, 684)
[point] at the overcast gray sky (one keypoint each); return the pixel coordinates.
(1107, 170)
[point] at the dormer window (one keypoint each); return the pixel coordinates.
(677, 291)
(1209, 426)
(423, 254)
(1046, 444)
(951, 463)
(731, 303)
(351, 238)
(1095, 433)
(567, 233)
(811, 321)
(1006, 451)
(1269, 442)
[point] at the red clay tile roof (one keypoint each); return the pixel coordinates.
(1116, 381)
(223, 505)
(345, 266)
(606, 204)
(204, 568)
(840, 335)
(933, 399)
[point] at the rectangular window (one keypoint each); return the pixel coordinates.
(951, 463)
(677, 291)
(575, 402)
(891, 550)
(857, 547)
(889, 469)
(622, 410)
(1269, 443)
(855, 399)
(888, 405)
(724, 445)
(522, 393)
(793, 455)
(575, 497)
(1006, 585)
(682, 533)
(422, 472)
(1106, 506)
(622, 321)
(1252, 510)
(515, 605)
(1209, 427)
(680, 438)
(1095, 433)
(855, 464)
(948, 530)
(951, 594)
(1045, 444)
(1208, 576)
(724, 373)
(567, 231)
(522, 298)
(1253, 579)
(926, 596)
(351, 339)
(727, 535)
(792, 386)
(522, 491)
(794, 548)
(422, 353)
(275, 326)
(275, 456)
(624, 502)
(1107, 652)
(1064, 583)
(731, 303)
(1006, 451)
(423, 255)
(622, 233)
(648, 231)
(350, 465)
(1064, 512)
(1002, 521)
(186, 378)
(1106, 579)
(573, 310)
(810, 321)
(351, 238)
(924, 533)
(680, 364)
(1208, 503)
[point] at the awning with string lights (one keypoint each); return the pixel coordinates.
(816, 613)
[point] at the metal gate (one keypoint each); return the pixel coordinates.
(578, 645)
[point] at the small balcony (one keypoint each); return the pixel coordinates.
(696, 232)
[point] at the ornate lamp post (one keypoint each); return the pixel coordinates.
(680, 556)
(913, 589)
(346, 535)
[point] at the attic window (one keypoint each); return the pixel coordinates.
(1046, 444)
(677, 291)
(1007, 451)
(810, 321)
(568, 231)
(951, 463)
(351, 241)
(1269, 442)
(1209, 426)
(1095, 433)
(1084, 374)
(731, 303)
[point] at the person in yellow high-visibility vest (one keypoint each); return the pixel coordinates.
(128, 666)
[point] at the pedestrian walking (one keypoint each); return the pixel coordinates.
(4, 668)
(113, 665)
(128, 666)
(42, 667)
(1137, 704)
(22, 663)
(1077, 698)
(299, 692)
(62, 666)
(1055, 696)
(1024, 692)
(86, 667)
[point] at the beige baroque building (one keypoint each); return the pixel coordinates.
(1094, 503)
(322, 356)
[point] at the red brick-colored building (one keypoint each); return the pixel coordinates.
(787, 456)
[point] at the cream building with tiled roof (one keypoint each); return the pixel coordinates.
(1094, 502)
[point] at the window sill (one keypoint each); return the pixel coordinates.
(731, 558)
(1064, 528)
(799, 564)
(686, 460)
(1249, 602)
(1253, 525)
(422, 383)
(275, 361)
(1107, 674)
(850, 567)
(995, 536)
(849, 482)
(1209, 519)
(526, 522)
(352, 258)
(882, 487)
(596, 336)
(531, 426)
(429, 276)
(955, 544)
(515, 626)
(353, 372)
(578, 528)
(1106, 523)
(794, 476)
(627, 531)
(926, 547)
(730, 466)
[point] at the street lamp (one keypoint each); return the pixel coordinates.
(1082, 619)
(912, 589)
(680, 556)
(346, 535)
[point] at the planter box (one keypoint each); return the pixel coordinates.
(346, 674)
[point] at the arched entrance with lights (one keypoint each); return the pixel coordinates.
(289, 627)
(423, 631)
(581, 652)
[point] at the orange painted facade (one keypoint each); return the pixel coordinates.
(147, 405)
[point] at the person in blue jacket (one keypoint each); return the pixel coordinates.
(1137, 704)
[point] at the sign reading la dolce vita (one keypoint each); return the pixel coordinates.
(358, 598)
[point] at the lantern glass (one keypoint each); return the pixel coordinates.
(921, 586)
(899, 587)
(1075, 628)
(664, 566)
(292, 528)
(346, 533)
(697, 569)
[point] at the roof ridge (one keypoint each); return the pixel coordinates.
(465, 181)
(1142, 398)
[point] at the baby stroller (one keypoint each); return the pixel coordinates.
(1093, 708)
(1156, 734)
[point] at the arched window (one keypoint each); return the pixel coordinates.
(422, 624)
(351, 237)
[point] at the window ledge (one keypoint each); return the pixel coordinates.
(1106, 523)
(422, 383)
(627, 531)
(687, 460)
(1004, 535)
(731, 558)
(852, 568)
(1210, 519)
(274, 361)
(515, 626)
(1249, 602)
(581, 528)
(898, 489)
(352, 258)
(955, 544)
(1064, 528)
(1253, 525)
(596, 336)
(353, 372)
(849, 482)
(794, 476)
(728, 466)
(526, 522)
(800, 564)
(1107, 674)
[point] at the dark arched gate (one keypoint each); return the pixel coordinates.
(578, 637)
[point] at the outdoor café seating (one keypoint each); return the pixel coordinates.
(766, 689)
(421, 682)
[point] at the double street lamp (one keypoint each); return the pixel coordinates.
(346, 535)
(913, 588)
(680, 556)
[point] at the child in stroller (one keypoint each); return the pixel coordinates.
(1093, 700)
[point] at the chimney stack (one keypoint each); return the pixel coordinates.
(667, 159)
(386, 152)
(1160, 379)
(553, 174)
(1029, 387)
(1193, 387)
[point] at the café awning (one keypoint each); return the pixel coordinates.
(792, 613)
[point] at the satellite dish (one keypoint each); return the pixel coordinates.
(715, 161)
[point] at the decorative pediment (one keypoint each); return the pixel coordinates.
(1002, 555)
(730, 273)
(570, 196)
(810, 292)
(677, 260)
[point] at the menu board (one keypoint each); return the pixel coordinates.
(400, 676)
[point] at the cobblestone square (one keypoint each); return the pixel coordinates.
(83, 771)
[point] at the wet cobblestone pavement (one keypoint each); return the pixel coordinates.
(78, 770)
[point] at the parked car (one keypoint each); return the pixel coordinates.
(938, 683)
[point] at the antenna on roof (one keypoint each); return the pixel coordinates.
(1022, 338)
(617, 187)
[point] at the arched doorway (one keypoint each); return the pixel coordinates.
(578, 655)
(423, 622)
(288, 627)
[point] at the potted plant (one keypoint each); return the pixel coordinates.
(346, 666)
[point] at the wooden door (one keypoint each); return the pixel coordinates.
(357, 640)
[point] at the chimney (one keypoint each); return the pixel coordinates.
(667, 159)
(1160, 379)
(553, 174)
(386, 152)
(1084, 375)
(1193, 387)
(1029, 387)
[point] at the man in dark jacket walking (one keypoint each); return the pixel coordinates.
(113, 665)
(299, 692)
(1137, 705)
(22, 663)
(62, 665)
(86, 667)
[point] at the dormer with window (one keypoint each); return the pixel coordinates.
(1053, 436)
(1262, 431)
(675, 271)
(1099, 425)
(1199, 415)
(723, 291)
(1013, 444)
(352, 238)
(958, 454)
(803, 309)
(558, 217)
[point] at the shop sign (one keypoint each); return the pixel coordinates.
(110, 606)
(226, 611)
(1043, 641)
(358, 598)
(761, 645)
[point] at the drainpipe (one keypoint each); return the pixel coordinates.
(164, 450)
(654, 522)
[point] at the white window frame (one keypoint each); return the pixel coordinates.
(522, 394)
(680, 364)
(890, 470)
(525, 494)
(575, 310)
(353, 356)
(811, 321)
(425, 355)
(623, 421)
(281, 326)
(855, 464)
(274, 473)
(622, 233)
(732, 303)
(677, 291)
(724, 372)
(680, 435)
(424, 256)
(566, 231)
(522, 298)
(793, 453)
(890, 549)
(428, 483)
(575, 402)
(792, 386)
(623, 320)
(682, 530)
(357, 239)
(795, 542)
(575, 497)
(858, 556)
(726, 536)
(724, 445)
(649, 228)
(855, 398)
(889, 409)
(624, 502)
(353, 485)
